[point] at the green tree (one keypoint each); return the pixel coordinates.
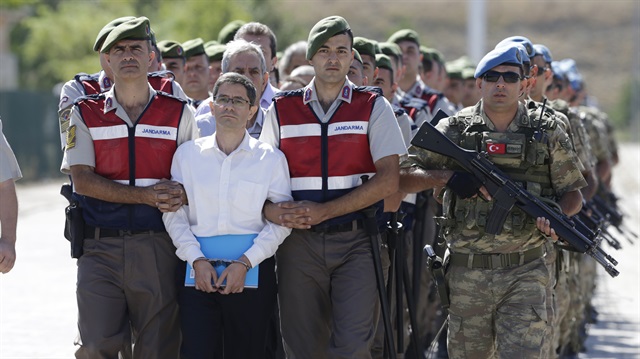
(56, 42)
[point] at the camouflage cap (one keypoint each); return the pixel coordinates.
(544, 52)
(356, 55)
(229, 31)
(193, 47)
(504, 55)
(405, 35)
(364, 46)
(214, 50)
(102, 35)
(170, 49)
(323, 31)
(136, 29)
(390, 49)
(528, 45)
(384, 62)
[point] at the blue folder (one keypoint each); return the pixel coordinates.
(228, 246)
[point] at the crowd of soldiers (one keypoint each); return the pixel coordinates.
(419, 83)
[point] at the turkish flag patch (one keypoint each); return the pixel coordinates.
(496, 148)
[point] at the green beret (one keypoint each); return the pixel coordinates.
(323, 31)
(229, 31)
(193, 47)
(468, 72)
(171, 49)
(404, 35)
(214, 50)
(356, 55)
(136, 29)
(384, 62)
(431, 54)
(365, 46)
(107, 29)
(390, 49)
(454, 69)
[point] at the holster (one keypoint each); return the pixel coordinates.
(74, 223)
(437, 269)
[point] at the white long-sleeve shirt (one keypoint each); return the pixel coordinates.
(226, 195)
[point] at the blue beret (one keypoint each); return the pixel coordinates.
(571, 72)
(528, 45)
(544, 52)
(558, 71)
(505, 55)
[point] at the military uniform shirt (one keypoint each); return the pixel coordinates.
(466, 236)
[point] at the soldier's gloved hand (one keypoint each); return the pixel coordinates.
(464, 184)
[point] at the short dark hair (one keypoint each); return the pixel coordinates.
(235, 78)
(347, 32)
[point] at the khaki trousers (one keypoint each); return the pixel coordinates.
(127, 285)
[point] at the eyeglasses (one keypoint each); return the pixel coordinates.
(508, 77)
(236, 102)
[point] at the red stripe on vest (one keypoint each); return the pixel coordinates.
(349, 154)
(153, 156)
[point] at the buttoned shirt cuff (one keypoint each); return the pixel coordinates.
(255, 256)
(192, 253)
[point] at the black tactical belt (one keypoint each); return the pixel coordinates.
(98, 232)
(337, 228)
(497, 260)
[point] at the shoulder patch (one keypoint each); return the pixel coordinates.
(291, 93)
(414, 102)
(399, 111)
(82, 76)
(160, 74)
(71, 137)
(95, 97)
(374, 89)
(166, 94)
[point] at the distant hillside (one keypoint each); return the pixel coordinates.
(602, 36)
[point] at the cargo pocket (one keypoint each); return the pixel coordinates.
(537, 333)
(455, 337)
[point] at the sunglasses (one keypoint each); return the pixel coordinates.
(508, 77)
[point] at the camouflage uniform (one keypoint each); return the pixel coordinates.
(558, 260)
(499, 310)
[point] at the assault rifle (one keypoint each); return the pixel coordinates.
(607, 204)
(507, 193)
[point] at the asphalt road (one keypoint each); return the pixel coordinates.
(38, 307)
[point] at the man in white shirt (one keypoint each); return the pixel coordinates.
(225, 197)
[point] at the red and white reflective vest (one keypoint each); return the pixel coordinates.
(136, 156)
(326, 160)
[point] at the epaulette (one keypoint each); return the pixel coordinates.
(290, 93)
(94, 97)
(166, 94)
(399, 111)
(82, 76)
(163, 73)
(374, 89)
(414, 102)
(548, 119)
(464, 117)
